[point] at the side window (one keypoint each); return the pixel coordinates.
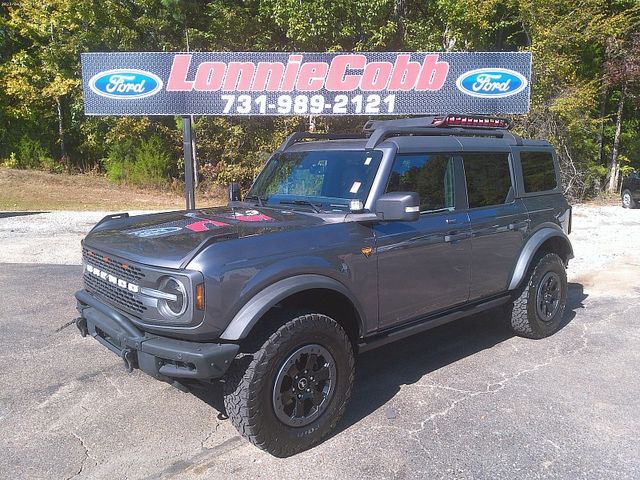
(488, 178)
(432, 176)
(538, 171)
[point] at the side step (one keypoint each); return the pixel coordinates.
(427, 323)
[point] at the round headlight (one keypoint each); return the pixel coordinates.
(176, 306)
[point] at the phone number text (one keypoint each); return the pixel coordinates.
(303, 104)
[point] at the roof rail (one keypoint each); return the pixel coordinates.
(298, 136)
(381, 134)
(441, 125)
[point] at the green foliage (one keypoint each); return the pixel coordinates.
(31, 154)
(120, 160)
(146, 164)
(582, 56)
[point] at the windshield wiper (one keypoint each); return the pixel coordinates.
(302, 202)
(259, 198)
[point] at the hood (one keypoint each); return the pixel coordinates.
(172, 239)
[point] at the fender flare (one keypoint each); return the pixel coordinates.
(262, 302)
(531, 247)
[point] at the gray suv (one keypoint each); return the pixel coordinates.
(343, 243)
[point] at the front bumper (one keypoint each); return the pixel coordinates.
(161, 357)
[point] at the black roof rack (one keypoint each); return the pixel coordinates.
(440, 125)
(381, 134)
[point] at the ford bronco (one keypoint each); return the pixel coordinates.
(343, 243)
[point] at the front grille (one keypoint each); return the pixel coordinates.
(106, 264)
(113, 294)
(107, 291)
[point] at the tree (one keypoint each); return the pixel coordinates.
(623, 71)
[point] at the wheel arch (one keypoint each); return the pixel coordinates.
(547, 239)
(317, 292)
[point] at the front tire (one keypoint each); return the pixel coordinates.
(538, 309)
(627, 199)
(291, 393)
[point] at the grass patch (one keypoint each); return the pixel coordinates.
(30, 190)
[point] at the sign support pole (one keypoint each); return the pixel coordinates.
(188, 163)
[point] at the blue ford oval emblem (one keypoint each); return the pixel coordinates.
(125, 84)
(491, 82)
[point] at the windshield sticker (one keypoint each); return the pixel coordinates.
(355, 187)
(368, 161)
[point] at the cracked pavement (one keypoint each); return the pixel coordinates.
(466, 400)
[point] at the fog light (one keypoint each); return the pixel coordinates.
(200, 296)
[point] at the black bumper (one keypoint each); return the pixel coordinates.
(161, 357)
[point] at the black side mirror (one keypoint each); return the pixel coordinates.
(234, 192)
(403, 206)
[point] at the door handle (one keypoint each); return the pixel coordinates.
(454, 236)
(451, 220)
(519, 225)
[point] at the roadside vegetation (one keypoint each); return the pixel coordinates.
(585, 99)
(32, 190)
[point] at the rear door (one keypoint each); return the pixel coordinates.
(499, 221)
(423, 266)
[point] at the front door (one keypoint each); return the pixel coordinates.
(423, 266)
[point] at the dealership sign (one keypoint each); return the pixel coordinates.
(251, 83)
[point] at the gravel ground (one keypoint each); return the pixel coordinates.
(601, 234)
(50, 237)
(466, 400)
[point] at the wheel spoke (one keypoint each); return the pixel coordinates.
(318, 396)
(312, 358)
(287, 396)
(298, 410)
(322, 374)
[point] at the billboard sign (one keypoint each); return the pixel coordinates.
(253, 83)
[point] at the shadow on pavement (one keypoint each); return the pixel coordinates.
(380, 373)
(18, 214)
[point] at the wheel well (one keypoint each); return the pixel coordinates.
(556, 245)
(316, 300)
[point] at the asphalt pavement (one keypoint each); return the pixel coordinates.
(467, 400)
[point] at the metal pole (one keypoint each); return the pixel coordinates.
(194, 152)
(188, 163)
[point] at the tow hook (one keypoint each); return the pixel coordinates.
(129, 359)
(81, 323)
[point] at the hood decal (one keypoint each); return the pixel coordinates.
(205, 225)
(194, 223)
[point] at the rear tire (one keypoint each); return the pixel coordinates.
(627, 199)
(537, 311)
(291, 393)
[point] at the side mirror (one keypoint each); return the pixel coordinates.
(234, 192)
(403, 206)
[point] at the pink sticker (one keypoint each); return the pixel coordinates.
(205, 225)
(260, 217)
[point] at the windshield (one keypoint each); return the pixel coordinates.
(317, 180)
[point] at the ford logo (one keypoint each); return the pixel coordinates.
(491, 82)
(125, 84)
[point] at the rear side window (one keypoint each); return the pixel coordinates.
(432, 176)
(488, 178)
(538, 171)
